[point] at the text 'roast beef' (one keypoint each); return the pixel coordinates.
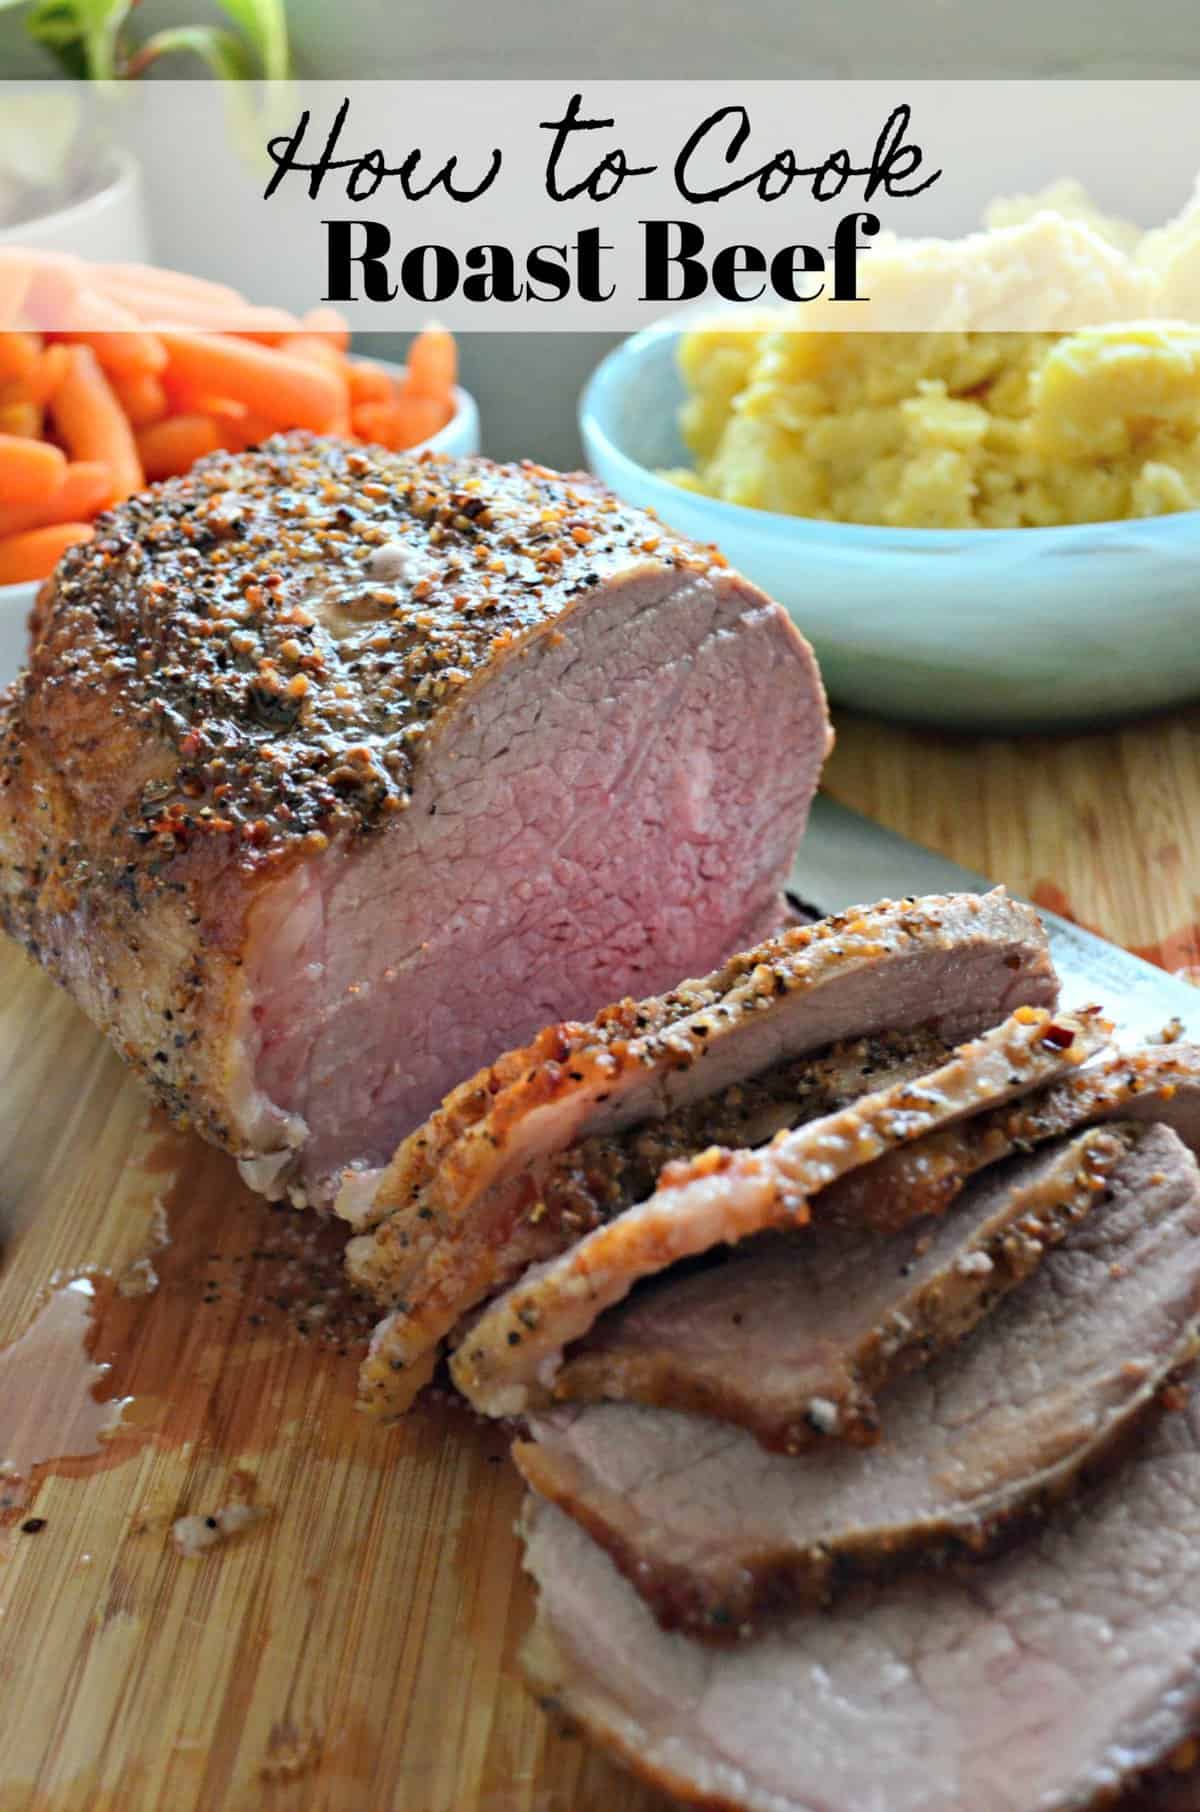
(336, 771)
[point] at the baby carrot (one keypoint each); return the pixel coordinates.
(286, 392)
(315, 350)
(54, 290)
(92, 424)
(21, 416)
(29, 469)
(86, 488)
(421, 417)
(113, 333)
(199, 315)
(172, 447)
(267, 326)
(35, 554)
(432, 363)
(142, 397)
(19, 355)
(150, 280)
(329, 325)
(369, 383)
(248, 432)
(123, 352)
(377, 422)
(52, 368)
(224, 408)
(404, 423)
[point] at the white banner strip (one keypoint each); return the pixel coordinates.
(552, 205)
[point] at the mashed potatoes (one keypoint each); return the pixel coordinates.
(961, 429)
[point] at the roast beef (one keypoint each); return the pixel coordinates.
(923, 1178)
(556, 1138)
(334, 771)
(565, 1194)
(508, 1361)
(1046, 1680)
(792, 1336)
(712, 1532)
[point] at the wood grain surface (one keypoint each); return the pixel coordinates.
(356, 1649)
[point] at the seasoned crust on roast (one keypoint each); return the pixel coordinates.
(224, 610)
(508, 1362)
(1152, 1084)
(236, 676)
(491, 1182)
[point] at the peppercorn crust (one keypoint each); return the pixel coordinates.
(239, 674)
(290, 624)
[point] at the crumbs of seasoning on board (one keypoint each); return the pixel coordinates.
(298, 1273)
(33, 1525)
(1058, 1038)
(195, 1535)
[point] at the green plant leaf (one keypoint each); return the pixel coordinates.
(264, 23)
(83, 34)
(226, 55)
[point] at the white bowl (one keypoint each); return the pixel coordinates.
(460, 436)
(997, 629)
(109, 224)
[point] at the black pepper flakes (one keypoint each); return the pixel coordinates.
(234, 613)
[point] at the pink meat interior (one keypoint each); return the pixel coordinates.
(614, 809)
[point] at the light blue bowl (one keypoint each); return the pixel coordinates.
(997, 629)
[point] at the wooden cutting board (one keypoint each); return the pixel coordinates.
(355, 1648)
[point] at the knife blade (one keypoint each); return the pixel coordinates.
(848, 860)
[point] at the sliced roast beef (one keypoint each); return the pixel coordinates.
(955, 964)
(568, 1193)
(924, 1178)
(1047, 1679)
(334, 771)
(508, 1361)
(793, 1335)
(713, 1533)
(555, 1139)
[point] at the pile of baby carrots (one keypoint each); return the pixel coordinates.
(113, 375)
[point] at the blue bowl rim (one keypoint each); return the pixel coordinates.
(1122, 534)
